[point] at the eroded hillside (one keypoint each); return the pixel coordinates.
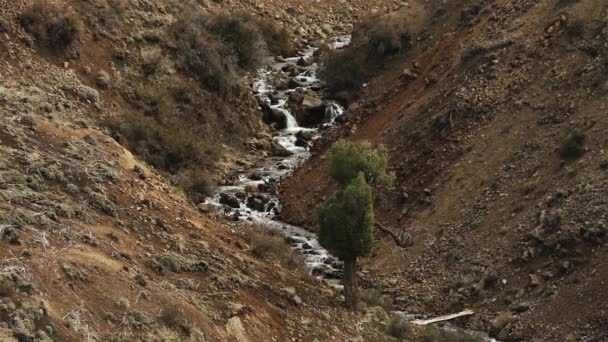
(101, 244)
(495, 119)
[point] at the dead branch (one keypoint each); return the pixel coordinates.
(400, 240)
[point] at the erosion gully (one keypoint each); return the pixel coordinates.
(247, 198)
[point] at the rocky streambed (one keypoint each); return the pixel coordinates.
(290, 94)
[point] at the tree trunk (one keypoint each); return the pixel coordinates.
(351, 287)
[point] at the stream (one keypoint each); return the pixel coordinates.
(248, 198)
(253, 197)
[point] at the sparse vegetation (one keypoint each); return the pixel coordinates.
(377, 38)
(373, 297)
(267, 242)
(177, 264)
(574, 146)
(53, 26)
(173, 317)
(576, 28)
(399, 327)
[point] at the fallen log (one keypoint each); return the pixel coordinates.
(443, 318)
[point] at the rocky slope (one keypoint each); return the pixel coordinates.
(495, 122)
(97, 245)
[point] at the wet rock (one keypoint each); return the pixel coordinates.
(279, 151)
(303, 62)
(251, 188)
(292, 83)
(289, 68)
(274, 116)
(256, 204)
(255, 177)
(311, 112)
(229, 200)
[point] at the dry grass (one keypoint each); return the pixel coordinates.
(173, 317)
(266, 243)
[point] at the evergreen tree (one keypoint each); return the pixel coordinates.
(347, 220)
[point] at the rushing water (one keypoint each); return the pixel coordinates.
(259, 206)
(250, 197)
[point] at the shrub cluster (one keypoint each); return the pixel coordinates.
(53, 26)
(214, 48)
(266, 243)
(377, 39)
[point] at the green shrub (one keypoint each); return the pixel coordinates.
(604, 165)
(53, 26)
(347, 159)
(574, 146)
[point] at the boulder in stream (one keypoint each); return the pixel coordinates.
(279, 150)
(274, 116)
(311, 111)
(229, 200)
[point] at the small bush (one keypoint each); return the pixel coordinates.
(373, 297)
(278, 40)
(7, 287)
(196, 183)
(399, 328)
(344, 71)
(386, 38)
(201, 54)
(242, 37)
(576, 28)
(173, 317)
(53, 26)
(266, 243)
(604, 165)
(574, 146)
